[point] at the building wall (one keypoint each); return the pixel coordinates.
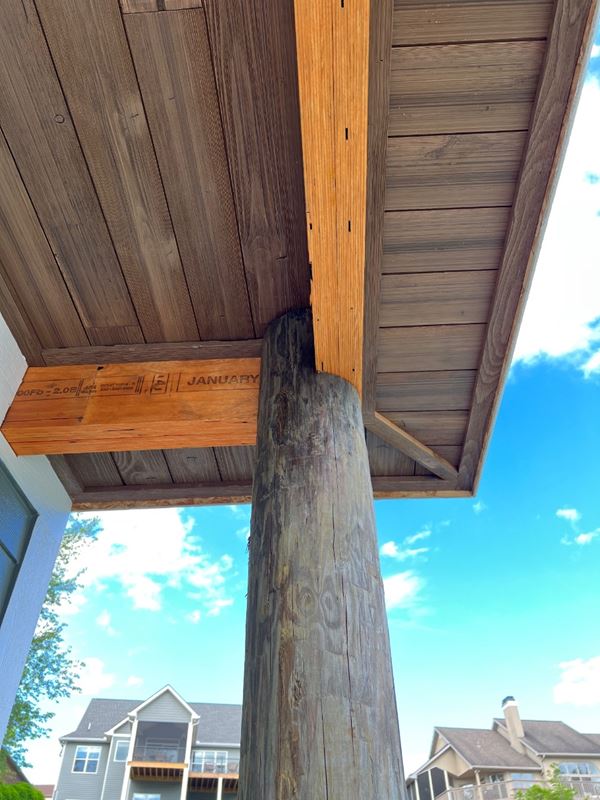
(165, 708)
(167, 791)
(37, 480)
(76, 785)
(114, 773)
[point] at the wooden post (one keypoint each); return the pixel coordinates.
(319, 717)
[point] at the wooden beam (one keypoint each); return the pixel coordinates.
(144, 406)
(568, 44)
(396, 436)
(332, 40)
(159, 351)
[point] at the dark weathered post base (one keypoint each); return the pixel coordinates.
(319, 718)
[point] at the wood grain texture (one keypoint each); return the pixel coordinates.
(386, 460)
(15, 316)
(433, 428)
(28, 264)
(442, 240)
(451, 452)
(92, 470)
(464, 88)
(425, 391)
(254, 57)
(427, 21)
(169, 495)
(435, 347)
(174, 68)
(138, 468)
(130, 407)
(379, 76)
(37, 124)
(90, 51)
(438, 298)
(67, 476)
(456, 171)
(402, 437)
(318, 679)
(236, 463)
(141, 6)
(332, 41)
(570, 39)
(162, 351)
(192, 465)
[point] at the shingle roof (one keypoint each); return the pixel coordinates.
(553, 737)
(220, 723)
(486, 749)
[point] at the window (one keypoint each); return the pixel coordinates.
(209, 761)
(86, 759)
(121, 750)
(17, 519)
(137, 796)
(578, 769)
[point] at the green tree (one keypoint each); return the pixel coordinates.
(19, 791)
(51, 672)
(557, 790)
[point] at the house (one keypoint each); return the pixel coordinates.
(492, 764)
(47, 789)
(162, 748)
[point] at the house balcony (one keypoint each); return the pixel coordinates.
(207, 768)
(508, 790)
(159, 752)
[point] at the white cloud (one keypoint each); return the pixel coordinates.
(391, 550)
(194, 617)
(579, 684)
(570, 514)
(417, 537)
(218, 605)
(563, 310)
(479, 506)
(134, 680)
(586, 538)
(93, 677)
(595, 51)
(148, 551)
(401, 589)
(103, 620)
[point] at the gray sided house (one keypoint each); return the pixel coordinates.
(495, 763)
(162, 748)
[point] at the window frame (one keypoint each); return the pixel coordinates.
(120, 742)
(90, 750)
(145, 796)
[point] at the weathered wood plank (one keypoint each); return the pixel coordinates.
(318, 679)
(130, 407)
(427, 21)
(386, 460)
(387, 488)
(39, 130)
(141, 6)
(436, 347)
(236, 463)
(161, 351)
(92, 470)
(251, 42)
(464, 88)
(403, 438)
(174, 68)
(66, 475)
(19, 324)
(571, 36)
(433, 427)
(457, 171)
(192, 465)
(438, 298)
(442, 240)
(90, 51)
(138, 468)
(379, 77)
(425, 391)
(29, 266)
(451, 452)
(332, 41)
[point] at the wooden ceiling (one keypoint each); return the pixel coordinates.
(152, 208)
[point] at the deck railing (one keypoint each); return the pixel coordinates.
(166, 754)
(507, 790)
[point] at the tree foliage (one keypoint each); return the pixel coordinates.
(557, 790)
(19, 791)
(51, 672)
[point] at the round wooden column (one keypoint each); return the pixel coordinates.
(319, 719)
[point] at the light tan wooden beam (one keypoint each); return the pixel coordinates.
(138, 406)
(397, 437)
(332, 39)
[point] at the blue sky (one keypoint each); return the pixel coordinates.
(486, 597)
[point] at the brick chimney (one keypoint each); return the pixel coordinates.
(513, 723)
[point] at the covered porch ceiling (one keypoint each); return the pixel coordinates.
(175, 174)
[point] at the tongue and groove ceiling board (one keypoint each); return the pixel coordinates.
(153, 162)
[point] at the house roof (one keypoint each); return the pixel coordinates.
(220, 723)
(553, 737)
(47, 789)
(485, 749)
